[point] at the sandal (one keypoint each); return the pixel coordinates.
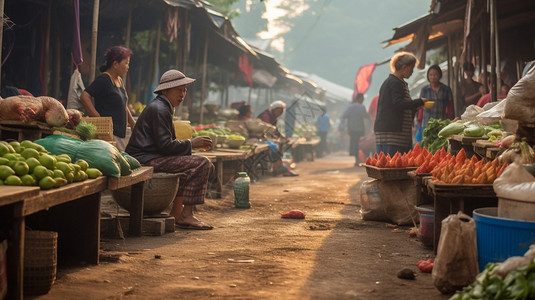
(200, 226)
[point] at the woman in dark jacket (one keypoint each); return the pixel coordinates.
(395, 109)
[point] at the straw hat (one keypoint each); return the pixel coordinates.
(171, 79)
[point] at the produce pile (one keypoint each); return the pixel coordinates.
(414, 158)
(492, 132)
(461, 170)
(431, 141)
(30, 164)
(518, 284)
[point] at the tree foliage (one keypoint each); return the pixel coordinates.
(224, 7)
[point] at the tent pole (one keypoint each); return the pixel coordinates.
(128, 26)
(492, 4)
(1, 34)
(44, 88)
(94, 32)
(203, 87)
(157, 52)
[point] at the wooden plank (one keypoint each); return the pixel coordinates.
(49, 198)
(11, 194)
(21, 124)
(138, 175)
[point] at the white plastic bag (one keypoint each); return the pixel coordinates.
(471, 112)
(521, 99)
(515, 183)
(456, 264)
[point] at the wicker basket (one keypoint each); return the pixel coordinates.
(386, 174)
(158, 193)
(40, 261)
(104, 127)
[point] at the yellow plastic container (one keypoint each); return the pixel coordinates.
(183, 130)
(429, 104)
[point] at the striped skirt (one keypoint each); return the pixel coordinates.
(194, 182)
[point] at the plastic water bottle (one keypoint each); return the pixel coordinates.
(241, 190)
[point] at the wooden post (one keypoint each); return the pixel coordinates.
(44, 88)
(1, 34)
(203, 87)
(57, 66)
(128, 26)
(186, 41)
(157, 52)
(493, 27)
(94, 32)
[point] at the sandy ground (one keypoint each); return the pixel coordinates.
(254, 254)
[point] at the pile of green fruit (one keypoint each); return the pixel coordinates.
(30, 164)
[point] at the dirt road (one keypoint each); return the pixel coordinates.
(254, 254)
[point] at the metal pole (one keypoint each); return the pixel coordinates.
(128, 26)
(94, 32)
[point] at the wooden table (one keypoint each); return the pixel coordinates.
(258, 155)
(452, 198)
(420, 181)
(218, 157)
(485, 149)
(11, 207)
(135, 181)
(302, 149)
(458, 142)
(72, 210)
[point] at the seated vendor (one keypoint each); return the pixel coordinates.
(270, 116)
(153, 143)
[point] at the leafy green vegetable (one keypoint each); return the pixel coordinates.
(86, 130)
(518, 284)
(431, 141)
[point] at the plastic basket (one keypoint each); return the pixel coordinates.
(104, 127)
(501, 238)
(40, 261)
(386, 174)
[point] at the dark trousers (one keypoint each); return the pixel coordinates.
(354, 141)
(322, 147)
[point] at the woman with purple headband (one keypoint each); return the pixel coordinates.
(106, 95)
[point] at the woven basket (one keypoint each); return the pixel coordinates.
(40, 261)
(158, 193)
(104, 127)
(386, 174)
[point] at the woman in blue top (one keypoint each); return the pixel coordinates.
(438, 92)
(109, 95)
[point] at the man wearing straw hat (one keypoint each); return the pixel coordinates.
(153, 143)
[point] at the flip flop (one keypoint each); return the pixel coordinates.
(202, 226)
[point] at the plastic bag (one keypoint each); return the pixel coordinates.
(471, 112)
(492, 113)
(371, 206)
(521, 99)
(101, 155)
(293, 214)
(399, 201)
(456, 264)
(60, 144)
(515, 183)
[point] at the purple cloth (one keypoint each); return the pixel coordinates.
(77, 57)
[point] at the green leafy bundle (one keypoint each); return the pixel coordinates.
(431, 141)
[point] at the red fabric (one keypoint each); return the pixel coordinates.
(363, 79)
(372, 108)
(25, 92)
(420, 117)
(487, 98)
(246, 68)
